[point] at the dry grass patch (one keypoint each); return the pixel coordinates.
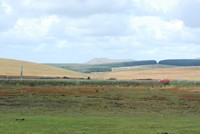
(12, 68)
(177, 73)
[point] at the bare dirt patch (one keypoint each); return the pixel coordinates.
(74, 90)
(57, 91)
(190, 97)
(3, 93)
(181, 89)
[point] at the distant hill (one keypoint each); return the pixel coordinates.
(102, 65)
(11, 68)
(106, 61)
(107, 67)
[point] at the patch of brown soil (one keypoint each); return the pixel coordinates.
(181, 89)
(190, 97)
(56, 91)
(8, 93)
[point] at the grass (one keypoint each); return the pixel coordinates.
(144, 67)
(176, 73)
(107, 67)
(72, 82)
(96, 108)
(86, 124)
(11, 68)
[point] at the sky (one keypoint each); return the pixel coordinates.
(75, 31)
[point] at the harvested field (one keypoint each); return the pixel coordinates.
(175, 73)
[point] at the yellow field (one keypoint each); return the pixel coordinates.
(12, 68)
(176, 73)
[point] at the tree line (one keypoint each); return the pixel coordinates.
(84, 68)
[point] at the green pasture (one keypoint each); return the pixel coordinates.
(100, 124)
(127, 108)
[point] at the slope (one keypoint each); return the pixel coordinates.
(96, 61)
(9, 67)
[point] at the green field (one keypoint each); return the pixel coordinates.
(103, 124)
(87, 68)
(89, 107)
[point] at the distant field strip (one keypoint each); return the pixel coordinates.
(177, 73)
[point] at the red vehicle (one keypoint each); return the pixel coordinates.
(164, 81)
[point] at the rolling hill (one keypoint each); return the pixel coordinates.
(87, 68)
(11, 68)
(96, 61)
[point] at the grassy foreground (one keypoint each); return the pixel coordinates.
(74, 108)
(104, 124)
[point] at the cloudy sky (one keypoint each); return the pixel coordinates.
(74, 31)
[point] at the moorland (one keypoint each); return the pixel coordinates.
(127, 99)
(96, 106)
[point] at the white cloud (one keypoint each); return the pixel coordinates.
(75, 8)
(27, 2)
(40, 48)
(32, 28)
(188, 11)
(162, 5)
(155, 7)
(134, 29)
(151, 27)
(62, 44)
(6, 6)
(98, 25)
